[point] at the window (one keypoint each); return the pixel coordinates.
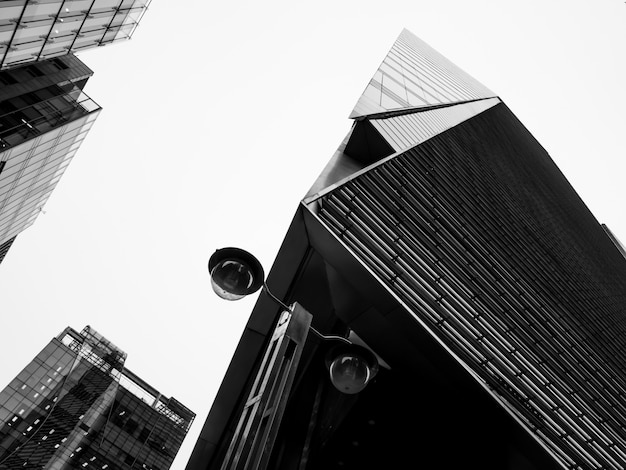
(7, 79)
(60, 63)
(34, 71)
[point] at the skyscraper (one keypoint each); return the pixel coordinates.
(44, 117)
(44, 113)
(443, 239)
(76, 406)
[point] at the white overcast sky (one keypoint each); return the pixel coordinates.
(217, 118)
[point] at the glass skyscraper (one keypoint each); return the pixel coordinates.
(75, 406)
(442, 237)
(44, 117)
(44, 112)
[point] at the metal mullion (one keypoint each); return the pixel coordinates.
(567, 415)
(382, 216)
(564, 382)
(583, 453)
(416, 215)
(45, 42)
(429, 69)
(435, 156)
(80, 29)
(443, 298)
(432, 313)
(596, 440)
(464, 89)
(463, 321)
(374, 227)
(608, 453)
(106, 30)
(407, 222)
(383, 270)
(397, 268)
(389, 128)
(533, 304)
(393, 237)
(470, 351)
(412, 122)
(504, 356)
(370, 257)
(402, 127)
(451, 205)
(547, 403)
(498, 333)
(428, 86)
(365, 228)
(398, 184)
(427, 91)
(592, 409)
(17, 24)
(555, 443)
(480, 242)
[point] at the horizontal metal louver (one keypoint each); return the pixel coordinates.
(408, 130)
(481, 237)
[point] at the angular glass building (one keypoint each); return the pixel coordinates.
(36, 30)
(75, 406)
(443, 239)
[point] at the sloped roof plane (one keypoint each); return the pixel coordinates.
(413, 75)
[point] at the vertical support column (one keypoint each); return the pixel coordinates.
(252, 443)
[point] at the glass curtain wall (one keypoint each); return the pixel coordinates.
(31, 31)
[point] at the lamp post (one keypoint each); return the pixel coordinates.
(236, 273)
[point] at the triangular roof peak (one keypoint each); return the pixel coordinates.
(414, 75)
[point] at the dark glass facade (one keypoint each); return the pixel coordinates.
(483, 239)
(76, 407)
(442, 237)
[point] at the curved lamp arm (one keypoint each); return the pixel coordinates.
(317, 333)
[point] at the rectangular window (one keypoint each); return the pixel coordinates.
(60, 63)
(34, 71)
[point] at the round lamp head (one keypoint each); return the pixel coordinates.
(351, 367)
(235, 273)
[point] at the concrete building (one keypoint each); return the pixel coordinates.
(443, 239)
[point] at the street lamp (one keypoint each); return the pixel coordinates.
(236, 273)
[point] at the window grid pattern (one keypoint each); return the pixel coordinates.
(415, 75)
(31, 31)
(67, 409)
(34, 167)
(481, 237)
